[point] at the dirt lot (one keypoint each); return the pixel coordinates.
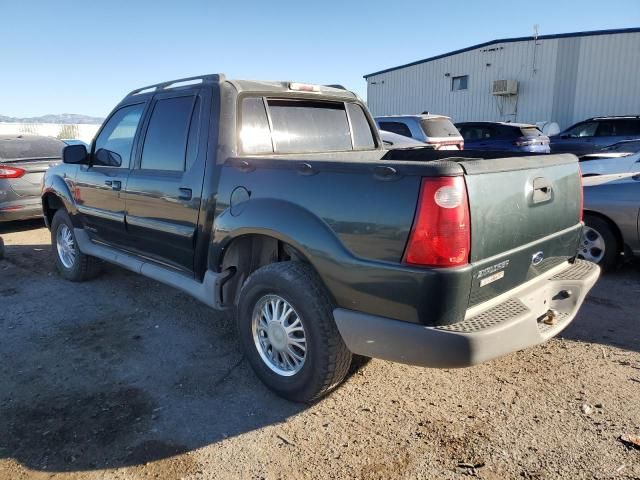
(123, 378)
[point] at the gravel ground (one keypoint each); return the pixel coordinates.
(124, 378)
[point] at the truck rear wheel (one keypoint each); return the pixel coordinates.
(286, 329)
(71, 263)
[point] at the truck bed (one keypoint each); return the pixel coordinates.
(359, 224)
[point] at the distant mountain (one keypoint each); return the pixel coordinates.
(64, 118)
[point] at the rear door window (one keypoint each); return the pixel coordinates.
(475, 132)
(629, 127)
(165, 143)
(439, 127)
(398, 128)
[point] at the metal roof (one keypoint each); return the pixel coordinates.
(508, 40)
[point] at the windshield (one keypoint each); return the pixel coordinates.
(29, 147)
(439, 127)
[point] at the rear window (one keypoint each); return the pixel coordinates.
(530, 132)
(302, 126)
(29, 147)
(439, 127)
(398, 128)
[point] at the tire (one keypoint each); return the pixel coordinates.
(326, 358)
(70, 262)
(599, 243)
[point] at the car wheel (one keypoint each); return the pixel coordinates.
(70, 262)
(599, 243)
(288, 334)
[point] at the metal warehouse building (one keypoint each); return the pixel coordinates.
(562, 78)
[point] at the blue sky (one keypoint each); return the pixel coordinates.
(82, 57)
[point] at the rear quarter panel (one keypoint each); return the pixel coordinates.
(618, 201)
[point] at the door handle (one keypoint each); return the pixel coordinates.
(114, 184)
(185, 194)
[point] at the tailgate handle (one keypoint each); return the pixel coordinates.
(541, 190)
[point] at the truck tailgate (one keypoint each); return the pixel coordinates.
(525, 219)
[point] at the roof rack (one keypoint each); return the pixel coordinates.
(180, 82)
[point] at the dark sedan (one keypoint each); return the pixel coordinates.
(611, 215)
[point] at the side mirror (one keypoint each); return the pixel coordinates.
(75, 154)
(107, 158)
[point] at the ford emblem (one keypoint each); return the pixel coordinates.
(536, 258)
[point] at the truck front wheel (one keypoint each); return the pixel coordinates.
(286, 329)
(71, 263)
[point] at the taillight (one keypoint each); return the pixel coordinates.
(441, 233)
(11, 172)
(524, 142)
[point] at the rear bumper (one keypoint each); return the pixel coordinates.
(500, 326)
(20, 209)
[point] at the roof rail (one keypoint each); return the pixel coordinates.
(203, 79)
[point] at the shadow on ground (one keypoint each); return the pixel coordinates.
(122, 371)
(115, 372)
(611, 312)
(21, 226)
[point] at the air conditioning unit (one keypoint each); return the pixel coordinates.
(505, 87)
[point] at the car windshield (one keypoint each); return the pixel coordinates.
(29, 147)
(439, 127)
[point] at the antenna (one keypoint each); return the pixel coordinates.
(536, 27)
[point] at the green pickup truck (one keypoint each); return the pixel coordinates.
(278, 201)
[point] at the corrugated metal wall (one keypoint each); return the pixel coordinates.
(586, 76)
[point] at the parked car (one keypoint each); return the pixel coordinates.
(23, 161)
(392, 141)
(595, 133)
(436, 130)
(277, 201)
(612, 216)
(621, 157)
(502, 136)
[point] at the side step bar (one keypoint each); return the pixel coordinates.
(208, 292)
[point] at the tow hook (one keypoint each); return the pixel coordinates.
(551, 317)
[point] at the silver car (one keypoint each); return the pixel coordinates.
(435, 130)
(23, 161)
(611, 216)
